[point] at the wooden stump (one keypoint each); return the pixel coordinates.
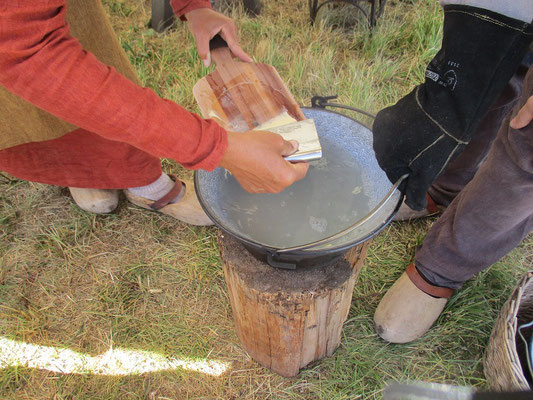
(287, 319)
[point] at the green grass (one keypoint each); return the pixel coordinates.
(141, 281)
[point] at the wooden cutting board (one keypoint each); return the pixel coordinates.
(242, 96)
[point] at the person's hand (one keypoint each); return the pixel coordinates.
(524, 116)
(256, 160)
(205, 23)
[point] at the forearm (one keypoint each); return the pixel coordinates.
(42, 63)
(521, 10)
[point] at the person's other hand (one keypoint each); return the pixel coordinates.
(205, 23)
(256, 160)
(524, 116)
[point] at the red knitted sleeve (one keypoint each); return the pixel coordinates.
(41, 62)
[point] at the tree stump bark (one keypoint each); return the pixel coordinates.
(286, 319)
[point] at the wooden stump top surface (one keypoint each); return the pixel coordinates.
(262, 277)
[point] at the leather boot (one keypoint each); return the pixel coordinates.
(406, 213)
(409, 308)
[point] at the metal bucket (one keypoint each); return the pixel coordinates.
(344, 200)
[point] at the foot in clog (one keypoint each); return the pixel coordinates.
(405, 213)
(100, 201)
(409, 308)
(187, 208)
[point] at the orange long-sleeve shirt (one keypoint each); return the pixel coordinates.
(41, 62)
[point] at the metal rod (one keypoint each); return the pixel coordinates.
(351, 228)
(349, 108)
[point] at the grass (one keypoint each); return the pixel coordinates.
(139, 281)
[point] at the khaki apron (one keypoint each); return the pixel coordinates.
(22, 122)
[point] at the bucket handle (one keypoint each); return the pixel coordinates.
(351, 228)
(323, 102)
(278, 264)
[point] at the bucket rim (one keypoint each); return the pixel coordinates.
(307, 252)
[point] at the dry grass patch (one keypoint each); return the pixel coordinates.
(136, 280)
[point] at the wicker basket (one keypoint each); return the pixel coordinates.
(501, 361)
